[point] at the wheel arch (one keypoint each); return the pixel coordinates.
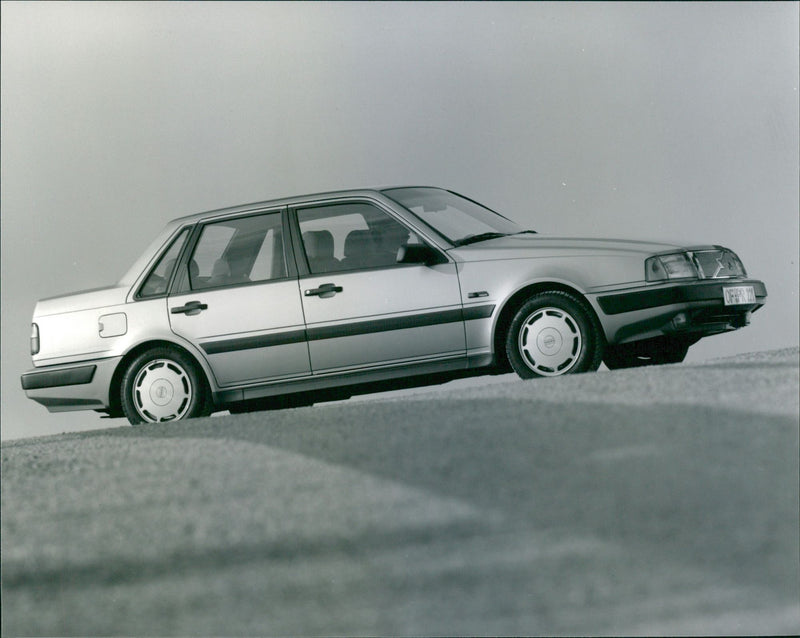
(115, 404)
(515, 301)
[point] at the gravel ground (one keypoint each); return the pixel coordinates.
(652, 501)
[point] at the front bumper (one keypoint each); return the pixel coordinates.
(63, 388)
(696, 309)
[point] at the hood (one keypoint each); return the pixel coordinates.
(530, 245)
(84, 300)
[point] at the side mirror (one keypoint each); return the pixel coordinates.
(420, 254)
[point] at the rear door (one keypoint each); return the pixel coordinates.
(362, 308)
(237, 300)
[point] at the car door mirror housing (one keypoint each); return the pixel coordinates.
(419, 254)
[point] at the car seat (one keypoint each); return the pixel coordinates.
(319, 250)
(359, 250)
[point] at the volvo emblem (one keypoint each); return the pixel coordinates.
(161, 392)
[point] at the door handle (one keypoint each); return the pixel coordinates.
(191, 308)
(324, 291)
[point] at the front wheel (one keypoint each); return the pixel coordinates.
(163, 384)
(553, 334)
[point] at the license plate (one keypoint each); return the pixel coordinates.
(737, 295)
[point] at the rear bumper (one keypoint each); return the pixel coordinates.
(83, 386)
(695, 310)
(80, 375)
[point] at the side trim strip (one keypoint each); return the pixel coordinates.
(350, 329)
(400, 323)
(261, 341)
(478, 312)
(58, 378)
(384, 325)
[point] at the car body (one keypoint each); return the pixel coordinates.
(297, 300)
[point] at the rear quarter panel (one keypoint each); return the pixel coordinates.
(72, 337)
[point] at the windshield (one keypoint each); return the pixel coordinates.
(458, 219)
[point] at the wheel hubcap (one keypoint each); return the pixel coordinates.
(550, 342)
(162, 391)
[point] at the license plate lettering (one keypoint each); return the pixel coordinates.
(738, 295)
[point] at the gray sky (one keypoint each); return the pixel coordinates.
(656, 120)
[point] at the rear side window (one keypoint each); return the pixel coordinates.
(239, 251)
(158, 280)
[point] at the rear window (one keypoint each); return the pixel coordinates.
(239, 251)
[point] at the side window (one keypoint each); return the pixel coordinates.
(238, 251)
(158, 279)
(350, 236)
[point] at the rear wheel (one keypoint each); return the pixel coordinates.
(650, 352)
(163, 384)
(552, 334)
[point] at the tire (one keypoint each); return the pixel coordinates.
(651, 352)
(553, 333)
(163, 384)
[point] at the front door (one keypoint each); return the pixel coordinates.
(239, 305)
(362, 308)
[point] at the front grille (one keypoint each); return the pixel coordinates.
(718, 264)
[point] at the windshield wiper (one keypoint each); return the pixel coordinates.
(472, 239)
(529, 232)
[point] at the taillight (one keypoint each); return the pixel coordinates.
(34, 339)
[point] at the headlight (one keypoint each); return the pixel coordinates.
(675, 266)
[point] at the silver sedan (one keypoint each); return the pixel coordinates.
(299, 300)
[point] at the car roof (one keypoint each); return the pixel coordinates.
(287, 201)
